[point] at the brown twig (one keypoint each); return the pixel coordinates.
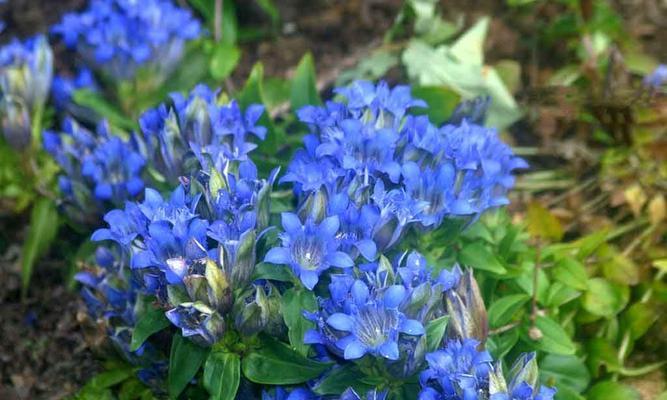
(217, 20)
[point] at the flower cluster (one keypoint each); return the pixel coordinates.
(393, 169)
(196, 248)
(198, 132)
(100, 169)
(112, 296)
(64, 87)
(119, 36)
(26, 70)
(381, 310)
(461, 371)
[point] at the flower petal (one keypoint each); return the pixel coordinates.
(411, 327)
(309, 279)
(278, 255)
(389, 350)
(354, 350)
(340, 321)
(393, 296)
(291, 223)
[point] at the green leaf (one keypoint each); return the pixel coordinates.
(42, 231)
(564, 372)
(152, 321)
(555, 339)
(609, 390)
(435, 331)
(94, 101)
(571, 272)
(503, 309)
(441, 102)
(638, 318)
(184, 362)
(605, 299)
(277, 364)
(559, 294)
(294, 303)
(304, 85)
(273, 272)
(542, 223)
(600, 353)
(477, 256)
(224, 59)
(500, 345)
(340, 378)
(270, 8)
(618, 268)
(222, 374)
(110, 378)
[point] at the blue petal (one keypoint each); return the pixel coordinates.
(278, 255)
(291, 223)
(341, 322)
(312, 336)
(101, 234)
(411, 327)
(354, 350)
(340, 259)
(328, 227)
(309, 279)
(367, 248)
(360, 293)
(389, 350)
(393, 296)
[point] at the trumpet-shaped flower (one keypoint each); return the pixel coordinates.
(309, 249)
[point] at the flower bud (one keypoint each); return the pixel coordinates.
(199, 322)
(524, 370)
(251, 311)
(241, 259)
(466, 308)
(315, 206)
(219, 290)
(16, 126)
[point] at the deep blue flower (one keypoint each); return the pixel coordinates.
(198, 322)
(521, 383)
(374, 394)
(26, 70)
(98, 169)
(119, 36)
(281, 393)
(198, 132)
(309, 249)
(458, 371)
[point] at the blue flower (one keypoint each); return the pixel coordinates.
(98, 169)
(198, 322)
(458, 371)
(373, 323)
(198, 132)
(523, 381)
(26, 70)
(119, 36)
(309, 249)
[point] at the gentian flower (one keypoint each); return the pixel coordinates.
(280, 393)
(374, 394)
(198, 132)
(198, 322)
(64, 87)
(118, 37)
(407, 171)
(458, 371)
(309, 249)
(99, 169)
(26, 70)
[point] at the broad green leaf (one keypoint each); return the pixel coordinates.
(222, 374)
(435, 331)
(477, 256)
(638, 318)
(340, 378)
(588, 244)
(441, 102)
(571, 272)
(618, 268)
(294, 303)
(370, 68)
(554, 338)
(559, 294)
(304, 84)
(152, 321)
(94, 101)
(609, 390)
(604, 298)
(184, 362)
(501, 344)
(42, 231)
(601, 352)
(273, 272)
(502, 310)
(110, 378)
(543, 224)
(277, 364)
(224, 59)
(564, 371)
